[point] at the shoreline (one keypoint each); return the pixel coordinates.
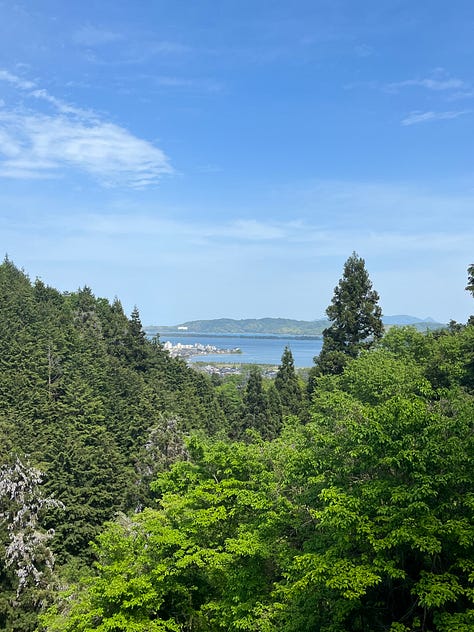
(191, 334)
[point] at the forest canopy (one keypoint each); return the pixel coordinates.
(138, 494)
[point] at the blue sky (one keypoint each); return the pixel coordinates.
(223, 159)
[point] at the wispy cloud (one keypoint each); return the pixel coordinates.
(461, 94)
(16, 81)
(61, 106)
(38, 144)
(429, 83)
(166, 46)
(425, 117)
(363, 50)
(134, 52)
(193, 240)
(205, 84)
(282, 258)
(93, 36)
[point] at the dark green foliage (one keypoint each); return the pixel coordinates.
(288, 386)
(255, 410)
(470, 279)
(230, 399)
(275, 409)
(81, 389)
(356, 319)
(136, 343)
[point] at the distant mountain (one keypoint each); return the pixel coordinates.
(279, 326)
(285, 326)
(407, 320)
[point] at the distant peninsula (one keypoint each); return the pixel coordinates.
(277, 326)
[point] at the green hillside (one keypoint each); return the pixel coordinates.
(280, 326)
(138, 495)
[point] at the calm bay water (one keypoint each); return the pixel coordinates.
(255, 349)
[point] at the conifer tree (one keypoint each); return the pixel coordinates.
(287, 385)
(356, 318)
(275, 410)
(255, 413)
(470, 279)
(136, 342)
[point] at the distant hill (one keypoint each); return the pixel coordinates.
(408, 320)
(280, 326)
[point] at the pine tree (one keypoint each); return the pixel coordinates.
(356, 318)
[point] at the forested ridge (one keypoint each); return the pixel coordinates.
(137, 494)
(277, 326)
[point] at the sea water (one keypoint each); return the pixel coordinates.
(255, 349)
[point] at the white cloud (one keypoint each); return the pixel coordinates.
(461, 94)
(40, 145)
(16, 81)
(36, 144)
(423, 117)
(61, 106)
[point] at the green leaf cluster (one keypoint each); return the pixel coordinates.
(360, 520)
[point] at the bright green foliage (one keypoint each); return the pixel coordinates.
(356, 318)
(206, 561)
(379, 375)
(391, 502)
(407, 343)
(445, 357)
(361, 520)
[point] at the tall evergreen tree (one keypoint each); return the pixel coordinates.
(136, 342)
(255, 412)
(288, 386)
(470, 279)
(275, 410)
(356, 318)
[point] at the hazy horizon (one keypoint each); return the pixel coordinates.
(384, 316)
(200, 159)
